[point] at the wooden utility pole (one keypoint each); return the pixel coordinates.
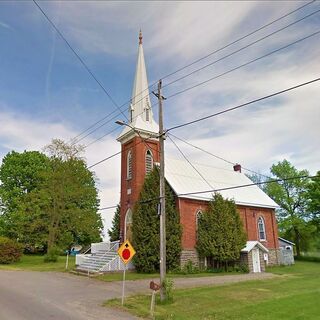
(162, 199)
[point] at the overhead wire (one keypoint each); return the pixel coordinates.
(79, 58)
(231, 70)
(224, 111)
(243, 104)
(215, 156)
(243, 65)
(242, 48)
(202, 58)
(239, 39)
(190, 163)
(232, 187)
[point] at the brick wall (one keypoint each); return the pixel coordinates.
(188, 209)
(130, 189)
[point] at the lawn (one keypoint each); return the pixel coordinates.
(36, 263)
(131, 275)
(294, 295)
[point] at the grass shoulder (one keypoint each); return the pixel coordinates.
(293, 296)
(36, 263)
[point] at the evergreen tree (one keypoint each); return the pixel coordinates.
(114, 232)
(221, 234)
(146, 227)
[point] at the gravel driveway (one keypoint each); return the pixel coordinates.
(29, 295)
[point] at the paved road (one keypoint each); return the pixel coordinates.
(31, 295)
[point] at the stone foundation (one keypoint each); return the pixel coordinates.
(274, 257)
(189, 255)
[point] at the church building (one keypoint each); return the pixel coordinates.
(255, 208)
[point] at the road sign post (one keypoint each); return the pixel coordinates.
(126, 253)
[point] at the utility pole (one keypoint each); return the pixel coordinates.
(162, 199)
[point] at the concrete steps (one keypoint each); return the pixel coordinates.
(95, 262)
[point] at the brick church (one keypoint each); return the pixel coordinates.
(256, 209)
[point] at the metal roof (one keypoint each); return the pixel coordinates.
(252, 244)
(184, 179)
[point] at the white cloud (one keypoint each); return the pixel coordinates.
(175, 33)
(21, 133)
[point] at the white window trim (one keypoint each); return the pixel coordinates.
(148, 152)
(129, 211)
(198, 214)
(264, 228)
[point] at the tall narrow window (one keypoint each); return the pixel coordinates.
(128, 225)
(129, 165)
(149, 162)
(261, 229)
(198, 215)
(147, 114)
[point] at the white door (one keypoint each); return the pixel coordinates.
(256, 260)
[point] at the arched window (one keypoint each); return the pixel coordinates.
(261, 229)
(198, 215)
(128, 225)
(149, 162)
(129, 165)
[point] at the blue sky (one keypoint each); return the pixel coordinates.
(46, 93)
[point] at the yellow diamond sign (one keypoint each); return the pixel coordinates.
(126, 252)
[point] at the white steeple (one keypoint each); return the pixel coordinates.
(140, 110)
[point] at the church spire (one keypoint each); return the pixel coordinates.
(140, 37)
(140, 101)
(140, 110)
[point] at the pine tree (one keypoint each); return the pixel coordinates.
(146, 226)
(221, 234)
(114, 232)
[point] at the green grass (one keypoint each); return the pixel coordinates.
(36, 263)
(294, 295)
(131, 275)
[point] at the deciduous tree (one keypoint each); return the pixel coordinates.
(291, 195)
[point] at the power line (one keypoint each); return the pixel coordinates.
(79, 58)
(247, 185)
(221, 74)
(119, 152)
(239, 39)
(233, 187)
(244, 65)
(195, 169)
(107, 208)
(241, 49)
(202, 58)
(229, 71)
(244, 104)
(215, 156)
(221, 112)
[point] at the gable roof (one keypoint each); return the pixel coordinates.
(252, 244)
(286, 241)
(183, 179)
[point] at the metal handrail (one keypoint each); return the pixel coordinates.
(114, 244)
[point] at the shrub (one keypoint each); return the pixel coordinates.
(190, 268)
(307, 258)
(10, 250)
(242, 267)
(52, 255)
(168, 288)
